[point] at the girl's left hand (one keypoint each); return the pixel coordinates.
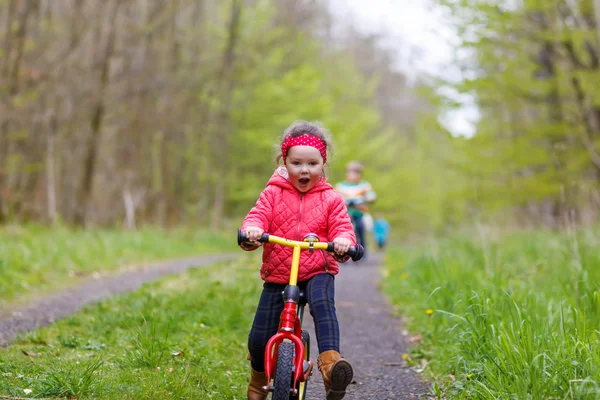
(341, 245)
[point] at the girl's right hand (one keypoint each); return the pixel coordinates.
(253, 233)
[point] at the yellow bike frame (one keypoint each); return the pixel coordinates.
(297, 246)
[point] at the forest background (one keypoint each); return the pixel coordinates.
(131, 112)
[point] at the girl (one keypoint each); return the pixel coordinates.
(297, 201)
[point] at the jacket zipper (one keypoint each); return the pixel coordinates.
(300, 217)
(298, 230)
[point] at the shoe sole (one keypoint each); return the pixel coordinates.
(341, 376)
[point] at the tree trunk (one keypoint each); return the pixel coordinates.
(597, 15)
(15, 45)
(18, 60)
(131, 202)
(4, 125)
(12, 5)
(85, 197)
(50, 168)
(226, 86)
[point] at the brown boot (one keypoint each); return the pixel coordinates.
(255, 387)
(337, 374)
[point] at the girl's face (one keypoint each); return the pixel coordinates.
(305, 167)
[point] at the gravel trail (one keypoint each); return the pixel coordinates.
(371, 339)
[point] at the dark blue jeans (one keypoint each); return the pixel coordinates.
(359, 229)
(320, 293)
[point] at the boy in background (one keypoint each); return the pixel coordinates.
(357, 194)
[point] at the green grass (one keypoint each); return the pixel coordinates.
(181, 337)
(513, 318)
(40, 259)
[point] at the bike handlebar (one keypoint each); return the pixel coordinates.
(355, 253)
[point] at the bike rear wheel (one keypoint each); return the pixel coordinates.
(284, 372)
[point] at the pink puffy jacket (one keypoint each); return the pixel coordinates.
(283, 211)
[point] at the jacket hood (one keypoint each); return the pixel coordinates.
(280, 178)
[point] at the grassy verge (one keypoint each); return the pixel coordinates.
(181, 337)
(40, 259)
(516, 317)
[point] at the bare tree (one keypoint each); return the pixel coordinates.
(225, 86)
(97, 114)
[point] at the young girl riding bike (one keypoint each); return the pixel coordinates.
(298, 200)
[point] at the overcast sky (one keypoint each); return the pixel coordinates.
(415, 29)
(419, 32)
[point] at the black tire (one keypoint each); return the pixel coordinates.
(284, 371)
(302, 386)
(306, 341)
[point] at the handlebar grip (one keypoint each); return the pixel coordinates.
(355, 253)
(242, 237)
(359, 252)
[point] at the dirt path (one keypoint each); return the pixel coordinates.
(45, 310)
(371, 339)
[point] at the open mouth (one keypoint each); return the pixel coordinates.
(303, 181)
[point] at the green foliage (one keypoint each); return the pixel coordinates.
(72, 379)
(528, 67)
(148, 347)
(513, 317)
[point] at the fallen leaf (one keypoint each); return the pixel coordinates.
(415, 339)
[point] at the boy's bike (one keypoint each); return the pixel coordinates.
(287, 355)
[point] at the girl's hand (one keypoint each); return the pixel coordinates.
(341, 245)
(254, 233)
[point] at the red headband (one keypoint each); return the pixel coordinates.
(304, 140)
